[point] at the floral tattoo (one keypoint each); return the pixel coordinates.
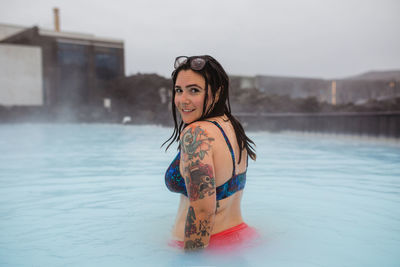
(195, 145)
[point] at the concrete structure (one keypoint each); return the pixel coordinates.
(77, 68)
(360, 89)
(243, 82)
(294, 87)
(378, 124)
(20, 75)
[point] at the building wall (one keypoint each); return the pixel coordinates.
(20, 75)
(294, 87)
(353, 91)
(76, 72)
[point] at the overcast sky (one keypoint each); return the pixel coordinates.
(308, 38)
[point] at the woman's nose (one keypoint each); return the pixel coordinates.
(185, 99)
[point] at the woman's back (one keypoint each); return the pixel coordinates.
(228, 212)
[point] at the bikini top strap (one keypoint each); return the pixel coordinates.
(228, 143)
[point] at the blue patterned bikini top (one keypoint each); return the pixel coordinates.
(176, 183)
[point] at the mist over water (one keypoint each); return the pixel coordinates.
(94, 195)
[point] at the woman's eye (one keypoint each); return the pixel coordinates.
(178, 90)
(194, 90)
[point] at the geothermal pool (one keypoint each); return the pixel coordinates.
(94, 195)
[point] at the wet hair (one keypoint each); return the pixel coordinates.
(215, 77)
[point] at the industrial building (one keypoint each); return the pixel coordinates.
(50, 68)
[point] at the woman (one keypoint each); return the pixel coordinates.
(210, 169)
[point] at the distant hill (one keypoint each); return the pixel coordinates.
(377, 75)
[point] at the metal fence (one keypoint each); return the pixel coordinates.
(385, 124)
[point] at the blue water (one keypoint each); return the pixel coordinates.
(94, 195)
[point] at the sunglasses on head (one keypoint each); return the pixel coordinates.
(196, 63)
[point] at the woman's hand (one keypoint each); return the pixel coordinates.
(198, 171)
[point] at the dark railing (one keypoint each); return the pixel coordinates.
(385, 124)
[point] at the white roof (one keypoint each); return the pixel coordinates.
(74, 35)
(7, 30)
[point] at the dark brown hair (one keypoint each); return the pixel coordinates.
(215, 76)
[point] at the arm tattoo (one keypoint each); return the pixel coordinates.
(190, 226)
(195, 143)
(194, 244)
(201, 182)
(204, 229)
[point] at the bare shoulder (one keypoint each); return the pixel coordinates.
(205, 126)
(197, 139)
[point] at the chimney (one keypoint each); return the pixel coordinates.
(56, 12)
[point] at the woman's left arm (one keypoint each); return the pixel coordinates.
(197, 157)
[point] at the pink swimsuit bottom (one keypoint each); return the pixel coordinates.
(228, 239)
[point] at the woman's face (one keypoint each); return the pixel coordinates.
(189, 95)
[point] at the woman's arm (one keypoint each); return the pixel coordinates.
(198, 171)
